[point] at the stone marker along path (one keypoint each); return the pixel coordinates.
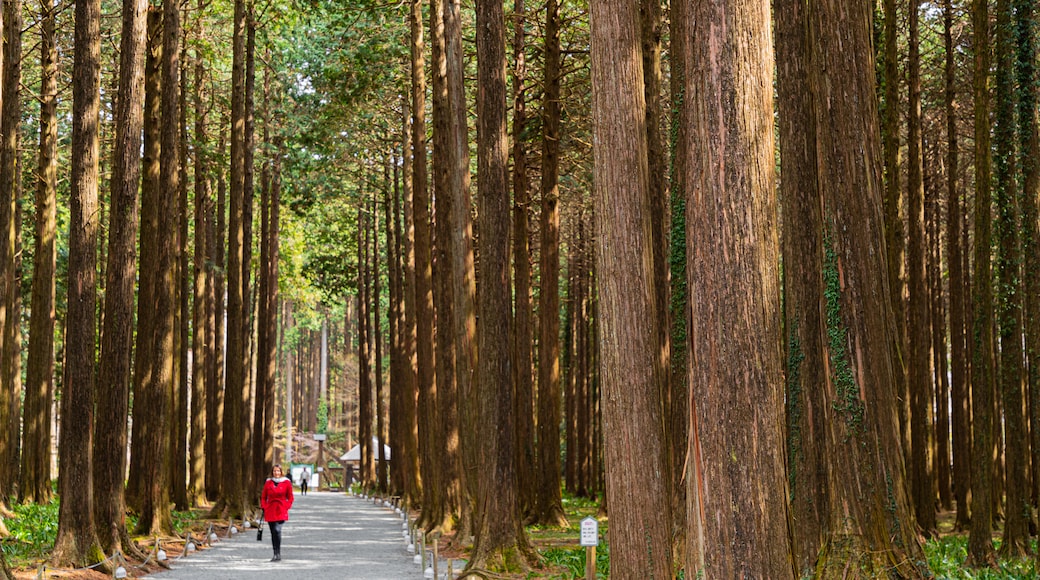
(329, 536)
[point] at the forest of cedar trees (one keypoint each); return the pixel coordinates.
(759, 282)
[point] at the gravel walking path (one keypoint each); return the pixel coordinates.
(329, 536)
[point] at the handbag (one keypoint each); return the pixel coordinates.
(260, 529)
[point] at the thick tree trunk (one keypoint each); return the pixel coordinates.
(631, 371)
(864, 439)
(500, 540)
(807, 454)
(549, 507)
(10, 315)
(179, 450)
(236, 391)
(408, 458)
(1009, 303)
(919, 378)
(77, 543)
(980, 542)
(523, 333)
(940, 350)
(144, 355)
(368, 473)
(116, 369)
(39, 386)
(215, 238)
(1029, 151)
(379, 453)
(734, 257)
(895, 239)
(423, 246)
(202, 340)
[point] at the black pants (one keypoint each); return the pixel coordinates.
(303, 487)
(276, 535)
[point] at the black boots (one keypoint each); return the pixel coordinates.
(277, 557)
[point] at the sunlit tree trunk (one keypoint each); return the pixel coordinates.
(215, 237)
(738, 524)
(549, 507)
(202, 311)
(523, 333)
(144, 355)
(408, 457)
(500, 540)
(39, 385)
(919, 378)
(10, 315)
(236, 389)
(77, 543)
(629, 340)
(115, 373)
(895, 239)
(423, 245)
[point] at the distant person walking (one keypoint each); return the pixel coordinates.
(276, 500)
(305, 479)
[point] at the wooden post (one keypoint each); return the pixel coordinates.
(590, 563)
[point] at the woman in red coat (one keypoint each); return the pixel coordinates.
(275, 500)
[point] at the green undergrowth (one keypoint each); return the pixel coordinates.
(562, 556)
(947, 555)
(33, 530)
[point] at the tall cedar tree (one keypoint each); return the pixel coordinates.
(77, 542)
(549, 505)
(463, 279)
(215, 238)
(9, 311)
(423, 245)
(957, 254)
(733, 264)
(364, 350)
(400, 431)
(116, 369)
(628, 343)
(523, 333)
(144, 353)
(862, 436)
(652, 30)
(1018, 512)
(408, 455)
(202, 339)
(919, 378)
(234, 468)
(1028, 153)
(180, 452)
(379, 453)
(983, 450)
(500, 539)
(802, 290)
(35, 473)
(895, 240)
(253, 480)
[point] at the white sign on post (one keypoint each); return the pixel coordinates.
(589, 532)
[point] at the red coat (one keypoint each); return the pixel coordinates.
(276, 499)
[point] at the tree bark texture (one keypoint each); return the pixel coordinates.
(550, 503)
(983, 450)
(919, 376)
(738, 528)
(959, 359)
(500, 539)
(77, 542)
(39, 385)
(115, 370)
(629, 343)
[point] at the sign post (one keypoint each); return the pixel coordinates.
(590, 539)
